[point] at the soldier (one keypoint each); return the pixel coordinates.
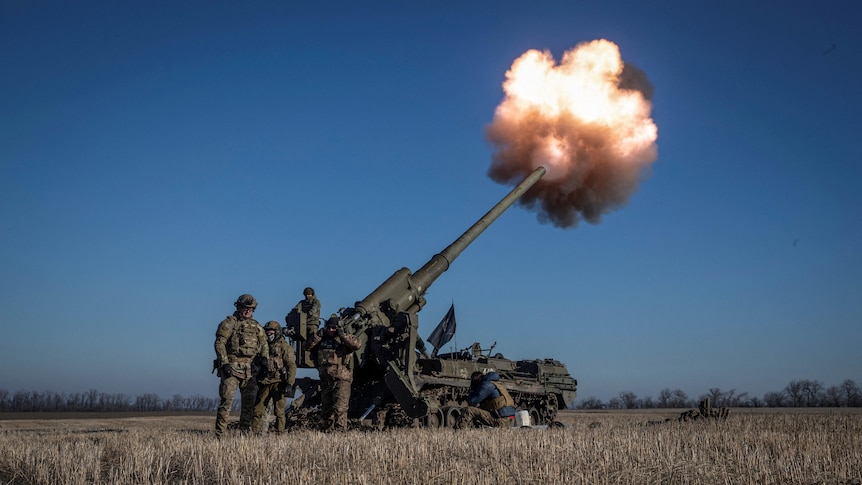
(277, 385)
(310, 307)
(333, 350)
(489, 403)
(302, 322)
(241, 351)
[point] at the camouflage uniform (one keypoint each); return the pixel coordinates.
(278, 383)
(489, 404)
(302, 323)
(238, 342)
(334, 355)
(311, 309)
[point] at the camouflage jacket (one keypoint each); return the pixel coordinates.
(238, 341)
(282, 363)
(334, 356)
(311, 310)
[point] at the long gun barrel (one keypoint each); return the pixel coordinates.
(386, 323)
(403, 292)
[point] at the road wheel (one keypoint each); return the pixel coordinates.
(451, 415)
(535, 418)
(435, 419)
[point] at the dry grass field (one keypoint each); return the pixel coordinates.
(751, 447)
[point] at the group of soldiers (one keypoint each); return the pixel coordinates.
(259, 362)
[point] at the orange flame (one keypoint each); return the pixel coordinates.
(587, 120)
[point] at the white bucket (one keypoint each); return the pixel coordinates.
(522, 419)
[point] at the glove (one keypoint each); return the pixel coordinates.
(226, 370)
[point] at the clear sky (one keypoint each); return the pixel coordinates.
(161, 158)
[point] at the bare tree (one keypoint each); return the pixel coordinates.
(681, 400)
(664, 397)
(21, 401)
(629, 399)
(178, 402)
(734, 400)
(834, 397)
(147, 402)
(201, 403)
(812, 392)
(75, 402)
(676, 398)
(715, 395)
(775, 399)
(852, 394)
(91, 400)
(795, 393)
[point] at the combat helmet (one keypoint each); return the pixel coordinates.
(245, 301)
(272, 325)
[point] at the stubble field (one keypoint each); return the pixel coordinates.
(752, 446)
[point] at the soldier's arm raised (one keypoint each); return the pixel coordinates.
(352, 342)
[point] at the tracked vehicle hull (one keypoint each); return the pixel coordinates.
(541, 387)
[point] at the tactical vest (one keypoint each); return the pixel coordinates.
(306, 306)
(311, 311)
(245, 340)
(499, 402)
(328, 354)
(275, 360)
(277, 357)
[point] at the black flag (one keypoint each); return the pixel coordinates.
(444, 331)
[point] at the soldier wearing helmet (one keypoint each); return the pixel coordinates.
(276, 385)
(240, 344)
(333, 351)
(302, 322)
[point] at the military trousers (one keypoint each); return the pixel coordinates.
(227, 389)
(473, 416)
(276, 394)
(334, 401)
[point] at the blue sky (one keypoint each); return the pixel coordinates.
(160, 158)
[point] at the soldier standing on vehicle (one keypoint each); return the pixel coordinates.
(333, 350)
(302, 322)
(489, 403)
(241, 352)
(277, 385)
(310, 306)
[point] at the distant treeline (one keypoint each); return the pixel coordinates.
(95, 401)
(798, 393)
